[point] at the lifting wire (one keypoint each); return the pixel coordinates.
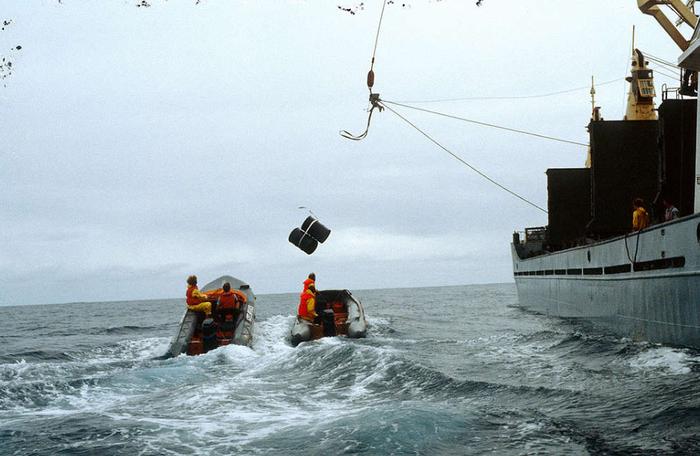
(461, 160)
(373, 97)
(661, 61)
(512, 97)
(666, 75)
(484, 124)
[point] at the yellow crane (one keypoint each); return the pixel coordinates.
(684, 11)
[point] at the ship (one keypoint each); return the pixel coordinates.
(588, 263)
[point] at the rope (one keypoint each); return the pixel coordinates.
(376, 38)
(520, 97)
(661, 61)
(486, 124)
(461, 160)
(636, 249)
(374, 100)
(658, 71)
(373, 97)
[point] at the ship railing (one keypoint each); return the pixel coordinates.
(676, 93)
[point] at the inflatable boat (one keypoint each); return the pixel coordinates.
(340, 314)
(197, 335)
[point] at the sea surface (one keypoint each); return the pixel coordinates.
(443, 371)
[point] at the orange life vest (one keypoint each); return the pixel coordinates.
(229, 300)
(192, 300)
(303, 305)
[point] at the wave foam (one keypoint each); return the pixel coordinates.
(663, 359)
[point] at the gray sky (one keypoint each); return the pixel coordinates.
(140, 145)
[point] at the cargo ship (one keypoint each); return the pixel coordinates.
(588, 262)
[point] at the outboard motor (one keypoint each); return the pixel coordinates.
(209, 334)
(328, 319)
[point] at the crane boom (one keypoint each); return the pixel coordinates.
(684, 12)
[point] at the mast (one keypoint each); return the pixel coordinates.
(640, 98)
(595, 116)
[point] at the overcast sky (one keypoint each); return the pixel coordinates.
(141, 145)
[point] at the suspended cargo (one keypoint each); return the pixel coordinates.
(311, 233)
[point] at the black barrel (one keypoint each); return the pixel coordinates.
(303, 241)
(315, 229)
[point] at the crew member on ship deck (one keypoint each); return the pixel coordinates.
(640, 217)
(196, 300)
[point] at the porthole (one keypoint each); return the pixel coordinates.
(697, 232)
(588, 254)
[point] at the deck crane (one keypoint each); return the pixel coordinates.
(685, 12)
(686, 15)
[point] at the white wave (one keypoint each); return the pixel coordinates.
(378, 321)
(663, 359)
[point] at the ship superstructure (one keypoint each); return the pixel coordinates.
(588, 262)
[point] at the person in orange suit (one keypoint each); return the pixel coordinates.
(196, 300)
(307, 304)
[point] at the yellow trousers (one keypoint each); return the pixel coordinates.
(201, 307)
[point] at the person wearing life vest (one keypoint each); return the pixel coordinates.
(311, 280)
(196, 300)
(307, 304)
(230, 300)
(640, 217)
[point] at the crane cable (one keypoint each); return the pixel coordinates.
(485, 124)
(461, 160)
(373, 97)
(510, 97)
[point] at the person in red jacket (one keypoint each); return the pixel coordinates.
(307, 304)
(196, 300)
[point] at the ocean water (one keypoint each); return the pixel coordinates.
(443, 371)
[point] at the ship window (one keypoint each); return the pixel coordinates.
(663, 263)
(549, 272)
(574, 271)
(646, 88)
(619, 269)
(592, 271)
(560, 271)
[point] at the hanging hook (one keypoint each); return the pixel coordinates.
(375, 101)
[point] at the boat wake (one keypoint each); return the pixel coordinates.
(423, 386)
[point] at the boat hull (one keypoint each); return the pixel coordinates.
(355, 326)
(645, 285)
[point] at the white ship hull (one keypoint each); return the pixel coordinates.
(644, 285)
